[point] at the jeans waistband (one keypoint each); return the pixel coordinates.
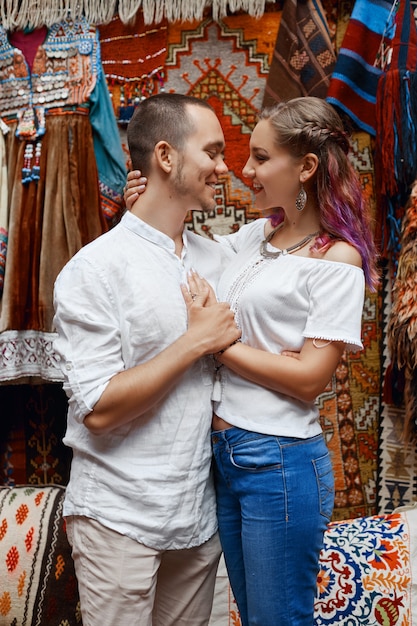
(236, 435)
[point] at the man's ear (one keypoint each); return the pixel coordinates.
(309, 166)
(163, 152)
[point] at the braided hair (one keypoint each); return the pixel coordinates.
(309, 124)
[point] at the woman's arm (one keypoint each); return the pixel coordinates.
(303, 377)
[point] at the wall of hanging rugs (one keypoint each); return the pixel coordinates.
(82, 79)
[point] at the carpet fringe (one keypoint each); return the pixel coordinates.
(19, 14)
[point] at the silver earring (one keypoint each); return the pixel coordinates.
(301, 199)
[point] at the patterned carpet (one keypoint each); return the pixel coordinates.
(227, 62)
(397, 476)
(31, 431)
(38, 584)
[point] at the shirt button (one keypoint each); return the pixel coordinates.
(68, 366)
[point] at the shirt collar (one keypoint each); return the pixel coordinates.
(145, 230)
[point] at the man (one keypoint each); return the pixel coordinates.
(136, 346)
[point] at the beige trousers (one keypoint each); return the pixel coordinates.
(124, 582)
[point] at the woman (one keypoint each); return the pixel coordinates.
(296, 283)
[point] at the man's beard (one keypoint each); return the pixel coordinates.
(181, 189)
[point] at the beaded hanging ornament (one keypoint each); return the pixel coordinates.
(67, 79)
(30, 128)
(133, 92)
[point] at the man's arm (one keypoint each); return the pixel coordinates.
(133, 392)
(105, 394)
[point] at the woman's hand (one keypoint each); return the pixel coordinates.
(294, 355)
(212, 323)
(136, 184)
(198, 290)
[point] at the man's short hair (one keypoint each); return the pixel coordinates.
(162, 117)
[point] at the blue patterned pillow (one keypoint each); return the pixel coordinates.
(366, 572)
(367, 577)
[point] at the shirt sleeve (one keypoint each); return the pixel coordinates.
(88, 334)
(337, 292)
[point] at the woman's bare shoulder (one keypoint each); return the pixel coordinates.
(343, 252)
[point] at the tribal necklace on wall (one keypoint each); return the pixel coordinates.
(268, 254)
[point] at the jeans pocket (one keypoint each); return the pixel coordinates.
(258, 453)
(325, 483)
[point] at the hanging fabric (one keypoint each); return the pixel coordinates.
(4, 211)
(396, 132)
(362, 55)
(64, 138)
(402, 326)
(15, 14)
(133, 58)
(304, 56)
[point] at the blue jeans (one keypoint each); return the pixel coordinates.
(275, 496)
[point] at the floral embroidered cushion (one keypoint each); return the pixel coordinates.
(366, 572)
(38, 584)
(367, 575)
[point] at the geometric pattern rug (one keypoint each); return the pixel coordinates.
(227, 62)
(32, 424)
(38, 583)
(397, 478)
